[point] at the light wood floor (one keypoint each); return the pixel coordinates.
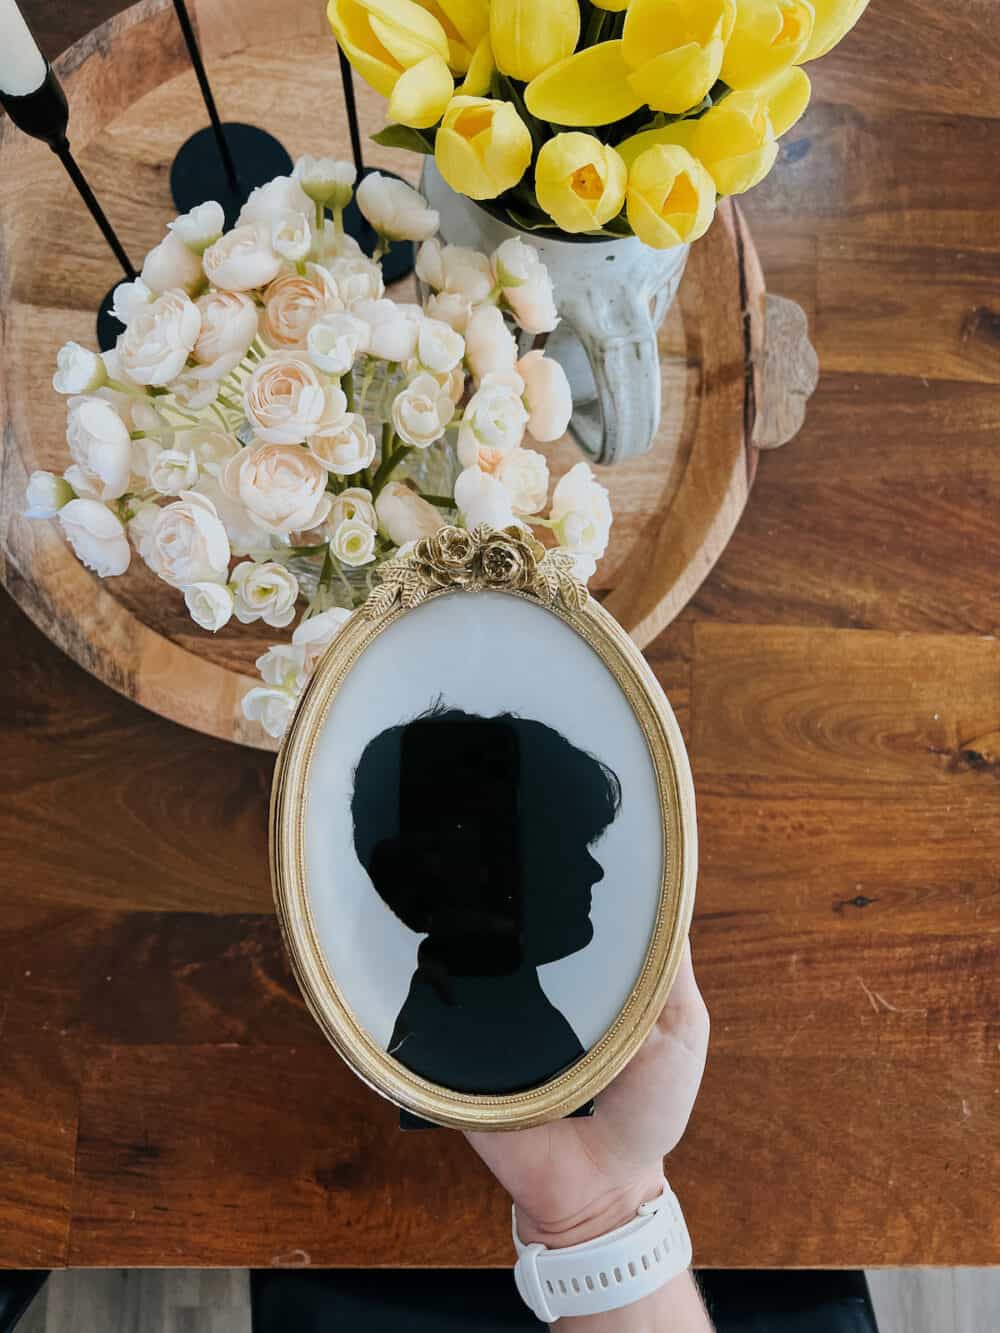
(918, 1300)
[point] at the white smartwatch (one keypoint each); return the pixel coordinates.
(610, 1271)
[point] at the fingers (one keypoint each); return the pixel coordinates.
(685, 1014)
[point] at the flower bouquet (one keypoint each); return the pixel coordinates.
(270, 429)
(596, 117)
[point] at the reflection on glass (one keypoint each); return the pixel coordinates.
(477, 832)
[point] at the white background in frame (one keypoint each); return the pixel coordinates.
(485, 653)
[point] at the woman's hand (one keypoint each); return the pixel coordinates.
(577, 1179)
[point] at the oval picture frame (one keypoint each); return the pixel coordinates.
(482, 584)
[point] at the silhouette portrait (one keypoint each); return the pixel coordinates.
(478, 834)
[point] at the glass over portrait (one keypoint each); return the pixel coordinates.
(487, 868)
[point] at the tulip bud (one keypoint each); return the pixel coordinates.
(483, 146)
(579, 181)
(671, 197)
(528, 36)
(768, 37)
(834, 20)
(401, 50)
(674, 49)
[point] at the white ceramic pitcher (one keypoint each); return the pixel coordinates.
(612, 297)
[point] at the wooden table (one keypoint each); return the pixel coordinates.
(165, 1098)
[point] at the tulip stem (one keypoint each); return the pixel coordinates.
(595, 26)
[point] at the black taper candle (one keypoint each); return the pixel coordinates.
(194, 51)
(347, 82)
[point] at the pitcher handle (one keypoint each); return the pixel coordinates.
(619, 337)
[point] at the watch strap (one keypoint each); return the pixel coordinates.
(610, 1271)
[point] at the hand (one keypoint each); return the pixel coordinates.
(577, 1179)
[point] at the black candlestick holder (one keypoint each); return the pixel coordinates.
(400, 258)
(223, 161)
(44, 114)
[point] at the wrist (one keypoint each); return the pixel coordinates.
(606, 1211)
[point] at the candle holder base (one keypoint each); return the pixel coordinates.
(108, 327)
(198, 172)
(401, 257)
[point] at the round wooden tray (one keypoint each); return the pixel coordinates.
(133, 101)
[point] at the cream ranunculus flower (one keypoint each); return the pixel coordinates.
(315, 634)
(527, 36)
(186, 543)
(768, 37)
(579, 181)
(525, 285)
(172, 471)
(354, 502)
(268, 202)
(396, 209)
(421, 411)
(525, 474)
(671, 197)
(326, 180)
(194, 390)
(483, 147)
(490, 347)
(493, 424)
(245, 536)
(483, 499)
(100, 445)
(155, 347)
(200, 227)
(242, 259)
(450, 308)
(581, 512)
(394, 327)
(228, 327)
(284, 398)
(439, 348)
(455, 268)
(547, 396)
(210, 605)
(404, 516)
(357, 278)
(97, 536)
(282, 487)
(291, 237)
(46, 494)
(834, 20)
(264, 591)
(294, 303)
(344, 447)
(129, 298)
(353, 543)
(78, 370)
(336, 341)
(271, 707)
(402, 50)
(172, 265)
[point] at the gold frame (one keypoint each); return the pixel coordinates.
(511, 562)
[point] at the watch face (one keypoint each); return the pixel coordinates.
(489, 866)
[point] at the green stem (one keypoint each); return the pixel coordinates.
(390, 461)
(595, 27)
(347, 384)
(225, 423)
(441, 501)
(132, 390)
(228, 402)
(319, 216)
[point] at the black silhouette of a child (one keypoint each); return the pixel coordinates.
(476, 833)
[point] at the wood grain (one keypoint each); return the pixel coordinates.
(848, 920)
(675, 509)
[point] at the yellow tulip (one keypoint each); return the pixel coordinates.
(530, 35)
(589, 88)
(768, 37)
(579, 181)
(386, 40)
(834, 20)
(735, 141)
(479, 75)
(483, 146)
(613, 6)
(465, 23)
(670, 197)
(674, 49)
